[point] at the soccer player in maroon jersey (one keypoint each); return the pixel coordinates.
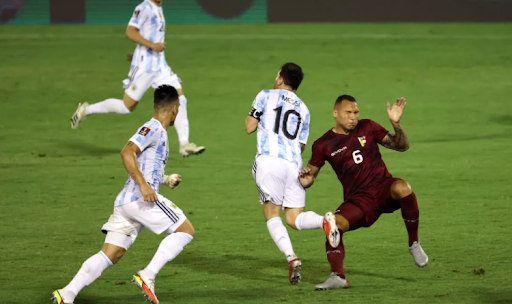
(369, 189)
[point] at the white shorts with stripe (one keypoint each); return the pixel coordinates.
(278, 181)
(139, 82)
(130, 219)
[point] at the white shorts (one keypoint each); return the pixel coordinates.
(139, 82)
(158, 217)
(278, 181)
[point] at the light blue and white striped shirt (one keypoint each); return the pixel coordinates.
(152, 141)
(284, 124)
(149, 19)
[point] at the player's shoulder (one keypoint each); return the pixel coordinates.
(143, 6)
(325, 138)
(151, 126)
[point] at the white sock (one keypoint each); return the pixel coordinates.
(90, 271)
(169, 248)
(181, 122)
(110, 105)
(280, 236)
(309, 220)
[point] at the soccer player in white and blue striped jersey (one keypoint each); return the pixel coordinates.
(282, 121)
(140, 206)
(148, 68)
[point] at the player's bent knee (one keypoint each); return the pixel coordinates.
(129, 102)
(186, 227)
(342, 223)
(400, 189)
(113, 252)
(290, 221)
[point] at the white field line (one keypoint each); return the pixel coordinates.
(7, 36)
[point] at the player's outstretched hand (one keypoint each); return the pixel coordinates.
(173, 181)
(306, 179)
(158, 47)
(148, 193)
(395, 112)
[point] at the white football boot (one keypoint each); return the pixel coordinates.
(333, 282)
(147, 286)
(191, 149)
(294, 267)
(79, 115)
(331, 230)
(420, 257)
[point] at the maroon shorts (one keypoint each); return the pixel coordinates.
(372, 204)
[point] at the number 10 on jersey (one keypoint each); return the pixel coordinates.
(287, 114)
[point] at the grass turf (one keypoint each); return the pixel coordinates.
(58, 184)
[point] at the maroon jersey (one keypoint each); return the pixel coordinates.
(355, 158)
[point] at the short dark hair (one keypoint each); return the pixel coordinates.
(292, 75)
(344, 97)
(165, 95)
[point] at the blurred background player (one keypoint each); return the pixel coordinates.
(282, 120)
(139, 205)
(369, 189)
(148, 68)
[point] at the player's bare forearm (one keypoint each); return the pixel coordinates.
(251, 124)
(398, 141)
(133, 34)
(129, 155)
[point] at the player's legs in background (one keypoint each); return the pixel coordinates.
(348, 217)
(181, 123)
(402, 192)
(135, 87)
(113, 249)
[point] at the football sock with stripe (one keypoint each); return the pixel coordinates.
(280, 236)
(309, 220)
(169, 249)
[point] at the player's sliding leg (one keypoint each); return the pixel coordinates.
(300, 220)
(111, 105)
(402, 192)
(169, 249)
(182, 128)
(348, 217)
(93, 267)
(280, 236)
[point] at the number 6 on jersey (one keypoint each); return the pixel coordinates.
(358, 158)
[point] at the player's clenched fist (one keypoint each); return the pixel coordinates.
(158, 47)
(306, 178)
(148, 193)
(172, 181)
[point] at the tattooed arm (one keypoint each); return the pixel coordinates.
(397, 141)
(129, 155)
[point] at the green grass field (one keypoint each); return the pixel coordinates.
(58, 185)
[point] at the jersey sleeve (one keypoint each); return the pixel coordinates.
(140, 15)
(258, 105)
(145, 137)
(304, 133)
(317, 157)
(379, 132)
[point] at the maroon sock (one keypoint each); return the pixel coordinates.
(335, 256)
(411, 216)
